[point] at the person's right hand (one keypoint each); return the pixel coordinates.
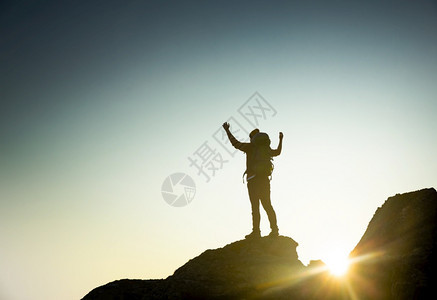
(226, 126)
(281, 135)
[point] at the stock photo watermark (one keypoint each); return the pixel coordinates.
(179, 189)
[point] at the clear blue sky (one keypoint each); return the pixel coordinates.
(102, 101)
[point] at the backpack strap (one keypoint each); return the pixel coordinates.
(247, 180)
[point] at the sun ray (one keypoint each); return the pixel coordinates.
(338, 264)
(336, 260)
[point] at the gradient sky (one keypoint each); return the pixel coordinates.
(101, 101)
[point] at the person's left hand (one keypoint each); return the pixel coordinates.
(281, 135)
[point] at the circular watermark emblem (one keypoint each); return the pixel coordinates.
(178, 189)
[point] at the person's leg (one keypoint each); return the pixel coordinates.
(254, 202)
(264, 185)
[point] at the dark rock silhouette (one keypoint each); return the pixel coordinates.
(247, 268)
(393, 260)
(129, 289)
(240, 269)
(396, 257)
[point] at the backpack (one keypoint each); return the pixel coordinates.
(261, 163)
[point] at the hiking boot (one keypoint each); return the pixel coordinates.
(274, 233)
(253, 235)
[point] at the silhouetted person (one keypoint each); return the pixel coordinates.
(258, 171)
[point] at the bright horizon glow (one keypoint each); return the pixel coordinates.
(337, 263)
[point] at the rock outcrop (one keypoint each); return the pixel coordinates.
(396, 257)
(393, 260)
(244, 269)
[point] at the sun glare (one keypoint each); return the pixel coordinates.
(337, 264)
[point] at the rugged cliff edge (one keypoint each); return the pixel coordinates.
(396, 257)
(393, 260)
(247, 268)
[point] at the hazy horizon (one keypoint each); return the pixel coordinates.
(102, 101)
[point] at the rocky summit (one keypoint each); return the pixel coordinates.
(250, 268)
(396, 257)
(241, 269)
(393, 260)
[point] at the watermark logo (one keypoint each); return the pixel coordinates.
(178, 189)
(256, 109)
(212, 155)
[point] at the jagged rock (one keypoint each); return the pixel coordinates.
(129, 289)
(241, 269)
(396, 256)
(244, 269)
(393, 260)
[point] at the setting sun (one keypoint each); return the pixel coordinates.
(337, 264)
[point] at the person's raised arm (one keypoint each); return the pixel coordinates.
(278, 150)
(237, 144)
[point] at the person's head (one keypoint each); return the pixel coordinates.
(253, 132)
